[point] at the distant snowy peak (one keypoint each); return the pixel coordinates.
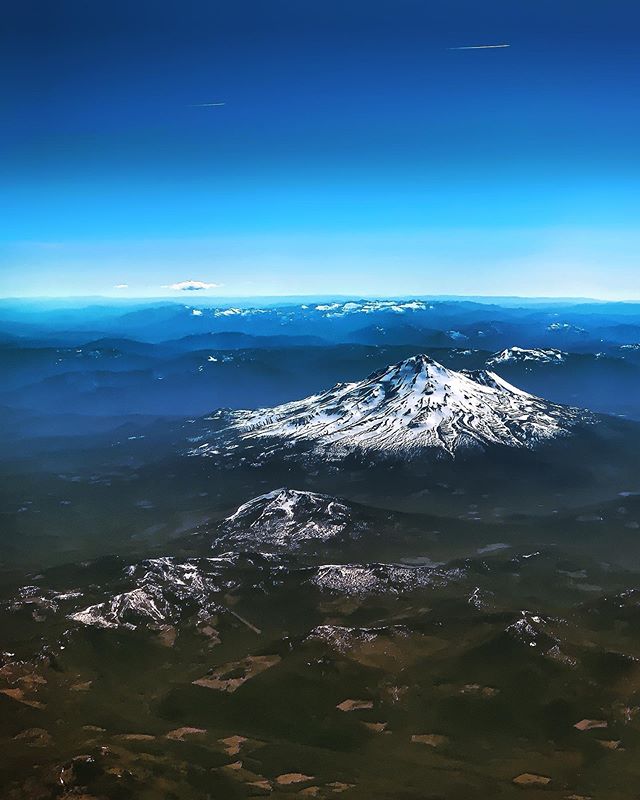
(287, 518)
(322, 310)
(238, 312)
(520, 355)
(566, 327)
(405, 409)
(370, 307)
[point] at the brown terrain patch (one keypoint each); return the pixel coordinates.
(590, 724)
(292, 777)
(230, 677)
(530, 779)
(430, 739)
(179, 734)
(232, 744)
(354, 705)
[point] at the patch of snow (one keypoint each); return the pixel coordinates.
(357, 579)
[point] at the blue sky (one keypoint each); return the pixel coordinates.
(355, 152)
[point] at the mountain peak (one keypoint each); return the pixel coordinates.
(414, 365)
(407, 408)
(420, 361)
(282, 502)
(422, 375)
(286, 518)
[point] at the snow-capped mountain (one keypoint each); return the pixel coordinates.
(287, 518)
(520, 355)
(403, 410)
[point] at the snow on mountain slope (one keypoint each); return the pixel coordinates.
(363, 579)
(157, 591)
(402, 410)
(287, 518)
(519, 355)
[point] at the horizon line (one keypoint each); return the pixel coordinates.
(195, 298)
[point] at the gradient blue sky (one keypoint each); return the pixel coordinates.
(355, 153)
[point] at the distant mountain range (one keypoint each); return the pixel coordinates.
(429, 323)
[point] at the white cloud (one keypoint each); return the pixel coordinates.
(481, 47)
(191, 286)
(121, 286)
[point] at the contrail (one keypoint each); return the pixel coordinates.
(480, 47)
(206, 105)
